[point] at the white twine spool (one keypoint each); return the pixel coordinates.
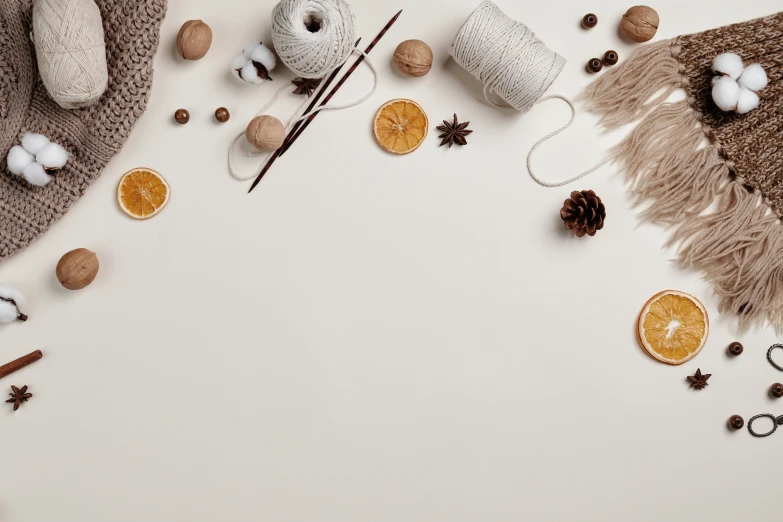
(512, 63)
(313, 37)
(506, 57)
(70, 49)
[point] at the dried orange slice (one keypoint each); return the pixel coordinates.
(142, 193)
(400, 126)
(673, 327)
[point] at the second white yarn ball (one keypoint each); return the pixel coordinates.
(313, 37)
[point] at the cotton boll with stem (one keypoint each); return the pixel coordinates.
(725, 93)
(254, 64)
(10, 301)
(728, 64)
(18, 159)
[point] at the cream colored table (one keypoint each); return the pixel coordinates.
(368, 337)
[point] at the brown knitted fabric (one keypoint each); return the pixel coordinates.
(752, 142)
(737, 245)
(91, 135)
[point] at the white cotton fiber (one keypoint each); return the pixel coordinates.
(748, 100)
(725, 93)
(753, 77)
(18, 159)
(9, 292)
(729, 64)
(261, 53)
(33, 143)
(52, 156)
(8, 312)
(35, 174)
(250, 75)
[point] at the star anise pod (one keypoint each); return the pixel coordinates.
(454, 132)
(306, 85)
(18, 396)
(699, 380)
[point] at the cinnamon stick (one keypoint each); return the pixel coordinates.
(8, 369)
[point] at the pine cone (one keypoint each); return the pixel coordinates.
(583, 213)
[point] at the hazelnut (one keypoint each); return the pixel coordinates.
(640, 23)
(222, 115)
(77, 269)
(413, 58)
(194, 39)
(265, 133)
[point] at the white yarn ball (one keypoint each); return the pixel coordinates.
(313, 37)
(747, 101)
(18, 159)
(729, 64)
(725, 93)
(71, 52)
(33, 143)
(753, 77)
(35, 174)
(505, 56)
(52, 156)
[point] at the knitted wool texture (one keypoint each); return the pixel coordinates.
(738, 244)
(91, 135)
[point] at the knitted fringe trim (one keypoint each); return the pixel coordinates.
(739, 246)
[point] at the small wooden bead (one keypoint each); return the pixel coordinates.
(610, 57)
(589, 21)
(594, 65)
(735, 348)
(222, 115)
(182, 116)
(736, 422)
(776, 390)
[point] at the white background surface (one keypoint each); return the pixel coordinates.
(368, 337)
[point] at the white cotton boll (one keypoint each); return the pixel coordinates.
(748, 100)
(725, 93)
(53, 156)
(261, 53)
(18, 159)
(250, 75)
(33, 143)
(35, 174)
(729, 64)
(9, 292)
(753, 77)
(8, 312)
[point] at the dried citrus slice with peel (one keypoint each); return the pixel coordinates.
(142, 193)
(673, 327)
(400, 126)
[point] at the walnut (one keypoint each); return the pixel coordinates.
(413, 58)
(77, 269)
(194, 39)
(265, 133)
(640, 23)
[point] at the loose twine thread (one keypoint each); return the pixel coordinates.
(512, 63)
(71, 51)
(313, 38)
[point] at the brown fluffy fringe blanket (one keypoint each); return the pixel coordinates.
(739, 245)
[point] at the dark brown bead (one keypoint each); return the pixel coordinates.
(222, 115)
(611, 58)
(182, 116)
(589, 21)
(735, 348)
(776, 390)
(594, 65)
(736, 422)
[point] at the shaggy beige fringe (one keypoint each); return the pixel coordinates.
(739, 246)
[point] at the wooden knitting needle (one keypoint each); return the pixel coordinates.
(292, 137)
(317, 97)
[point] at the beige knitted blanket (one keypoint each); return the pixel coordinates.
(91, 135)
(739, 245)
